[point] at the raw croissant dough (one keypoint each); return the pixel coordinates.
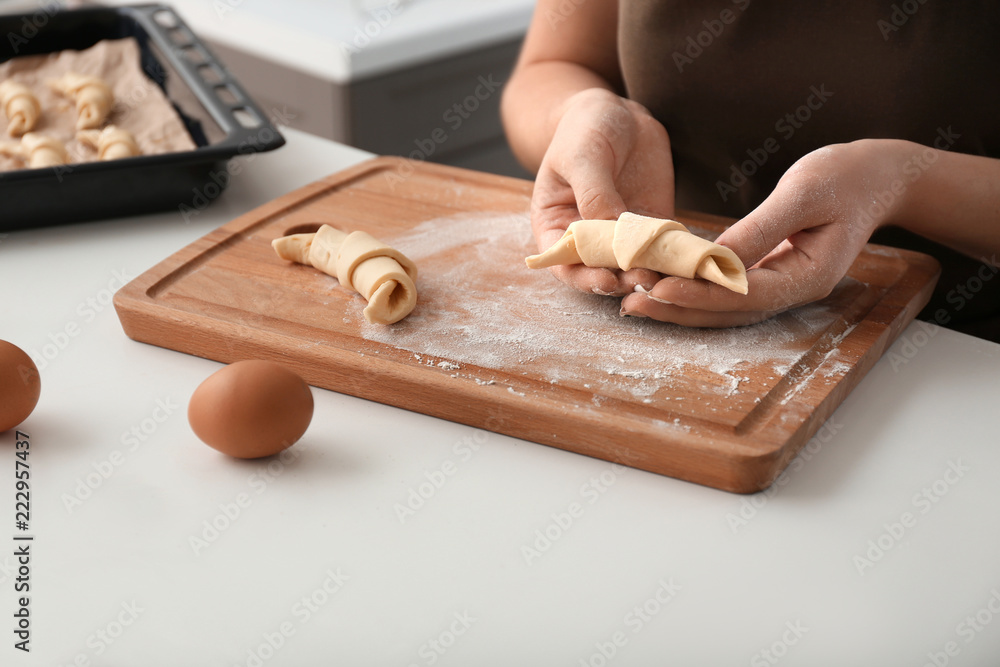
(381, 274)
(43, 150)
(637, 241)
(21, 107)
(92, 96)
(111, 143)
(38, 150)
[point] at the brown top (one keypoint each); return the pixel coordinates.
(746, 87)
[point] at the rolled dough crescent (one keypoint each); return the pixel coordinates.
(637, 241)
(41, 150)
(381, 274)
(111, 143)
(21, 107)
(93, 97)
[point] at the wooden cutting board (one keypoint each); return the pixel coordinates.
(495, 345)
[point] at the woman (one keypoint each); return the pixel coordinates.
(817, 124)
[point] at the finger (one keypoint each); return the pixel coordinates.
(589, 279)
(640, 305)
(773, 288)
(597, 197)
(777, 218)
(649, 184)
(638, 280)
(589, 171)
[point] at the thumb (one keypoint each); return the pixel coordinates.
(762, 230)
(596, 195)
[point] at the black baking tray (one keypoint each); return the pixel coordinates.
(221, 118)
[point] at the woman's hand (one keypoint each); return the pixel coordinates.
(800, 242)
(608, 155)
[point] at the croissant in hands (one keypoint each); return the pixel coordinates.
(637, 241)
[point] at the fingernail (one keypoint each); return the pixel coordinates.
(624, 313)
(601, 292)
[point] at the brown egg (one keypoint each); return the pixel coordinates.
(251, 409)
(20, 385)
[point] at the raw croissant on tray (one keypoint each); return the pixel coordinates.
(637, 241)
(381, 274)
(93, 97)
(37, 150)
(20, 106)
(43, 150)
(111, 143)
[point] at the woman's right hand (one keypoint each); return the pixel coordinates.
(608, 155)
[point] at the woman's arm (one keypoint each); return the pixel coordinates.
(951, 198)
(596, 153)
(569, 48)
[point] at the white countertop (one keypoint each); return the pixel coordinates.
(348, 40)
(881, 546)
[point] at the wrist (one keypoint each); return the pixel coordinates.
(897, 168)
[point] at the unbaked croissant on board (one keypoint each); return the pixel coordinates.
(384, 276)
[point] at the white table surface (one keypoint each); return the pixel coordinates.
(319, 563)
(348, 40)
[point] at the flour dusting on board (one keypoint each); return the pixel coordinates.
(480, 305)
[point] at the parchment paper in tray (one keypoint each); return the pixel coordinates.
(140, 105)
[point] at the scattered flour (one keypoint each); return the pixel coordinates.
(526, 323)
